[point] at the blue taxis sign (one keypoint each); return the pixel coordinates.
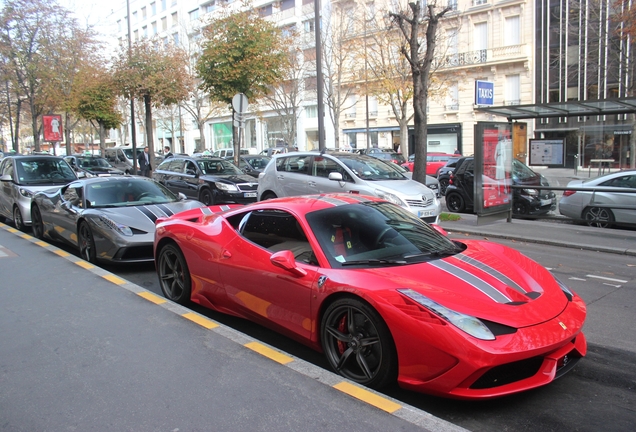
(484, 93)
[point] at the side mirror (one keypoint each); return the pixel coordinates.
(335, 176)
(182, 196)
(285, 260)
(81, 174)
(6, 177)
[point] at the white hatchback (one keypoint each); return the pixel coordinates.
(305, 173)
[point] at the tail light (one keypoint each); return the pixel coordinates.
(451, 177)
(568, 192)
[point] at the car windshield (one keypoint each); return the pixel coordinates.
(43, 170)
(127, 192)
(371, 234)
(93, 162)
(521, 172)
(259, 162)
(218, 167)
(370, 168)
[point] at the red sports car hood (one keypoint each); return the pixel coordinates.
(488, 281)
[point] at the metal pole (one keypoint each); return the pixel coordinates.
(319, 80)
(132, 98)
(181, 142)
(366, 82)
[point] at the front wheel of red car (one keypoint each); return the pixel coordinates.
(358, 344)
(174, 276)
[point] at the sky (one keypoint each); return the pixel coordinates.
(98, 14)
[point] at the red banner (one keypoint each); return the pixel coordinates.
(52, 127)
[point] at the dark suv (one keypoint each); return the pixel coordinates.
(211, 180)
(527, 201)
(444, 173)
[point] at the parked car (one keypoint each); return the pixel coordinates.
(389, 155)
(383, 295)
(444, 173)
(529, 201)
(211, 180)
(431, 182)
(252, 165)
(23, 176)
(434, 161)
(92, 165)
(303, 173)
(601, 208)
(228, 152)
(106, 218)
(121, 157)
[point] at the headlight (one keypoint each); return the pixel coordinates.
(466, 323)
(109, 223)
(531, 192)
(226, 187)
(390, 197)
(25, 193)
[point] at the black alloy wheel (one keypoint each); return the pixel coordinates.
(174, 276)
(17, 219)
(599, 217)
(443, 184)
(37, 225)
(205, 196)
(268, 195)
(358, 344)
(455, 202)
(520, 208)
(86, 243)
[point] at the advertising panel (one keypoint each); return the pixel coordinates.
(52, 127)
(547, 152)
(493, 167)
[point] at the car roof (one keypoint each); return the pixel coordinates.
(308, 203)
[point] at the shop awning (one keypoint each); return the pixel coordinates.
(563, 109)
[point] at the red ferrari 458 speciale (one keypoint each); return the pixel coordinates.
(385, 296)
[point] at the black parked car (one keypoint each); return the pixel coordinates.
(252, 165)
(527, 201)
(444, 173)
(211, 180)
(92, 165)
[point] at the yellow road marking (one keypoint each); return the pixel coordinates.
(368, 397)
(12, 230)
(114, 279)
(25, 236)
(85, 265)
(61, 253)
(269, 353)
(152, 297)
(41, 243)
(198, 319)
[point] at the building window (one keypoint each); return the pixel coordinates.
(265, 10)
(119, 25)
(452, 98)
(311, 111)
(194, 15)
(135, 17)
(143, 12)
(351, 110)
(512, 31)
(153, 9)
(164, 24)
(136, 33)
(481, 36)
(154, 28)
(163, 5)
(173, 3)
(144, 30)
(287, 4)
(373, 106)
(513, 90)
(175, 38)
(309, 26)
(175, 20)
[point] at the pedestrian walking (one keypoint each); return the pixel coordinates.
(144, 163)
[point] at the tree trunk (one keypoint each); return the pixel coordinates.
(67, 132)
(102, 139)
(201, 145)
(16, 136)
(149, 131)
(34, 126)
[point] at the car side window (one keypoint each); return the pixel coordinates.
(7, 169)
(276, 230)
(323, 166)
(294, 164)
(176, 165)
(73, 194)
(627, 181)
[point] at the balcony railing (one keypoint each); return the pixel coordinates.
(350, 115)
(512, 52)
(452, 107)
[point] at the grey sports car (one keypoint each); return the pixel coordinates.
(106, 218)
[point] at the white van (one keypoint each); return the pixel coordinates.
(122, 157)
(228, 152)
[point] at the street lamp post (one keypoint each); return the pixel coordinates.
(132, 98)
(319, 81)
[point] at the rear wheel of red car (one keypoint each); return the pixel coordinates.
(358, 344)
(455, 202)
(174, 276)
(598, 217)
(86, 243)
(36, 222)
(205, 196)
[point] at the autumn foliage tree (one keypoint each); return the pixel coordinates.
(155, 73)
(242, 53)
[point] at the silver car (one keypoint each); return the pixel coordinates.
(305, 173)
(600, 207)
(22, 176)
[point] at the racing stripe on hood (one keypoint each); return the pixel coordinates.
(150, 215)
(206, 211)
(332, 200)
(224, 207)
(358, 198)
(165, 209)
(473, 280)
(491, 271)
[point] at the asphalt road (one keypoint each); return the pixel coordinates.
(598, 394)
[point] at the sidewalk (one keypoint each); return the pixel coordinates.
(82, 349)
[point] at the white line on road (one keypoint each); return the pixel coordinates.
(607, 279)
(612, 285)
(579, 279)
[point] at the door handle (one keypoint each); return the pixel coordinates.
(226, 254)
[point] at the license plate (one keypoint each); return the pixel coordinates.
(546, 202)
(425, 213)
(249, 194)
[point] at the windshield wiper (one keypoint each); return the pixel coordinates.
(374, 261)
(436, 254)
